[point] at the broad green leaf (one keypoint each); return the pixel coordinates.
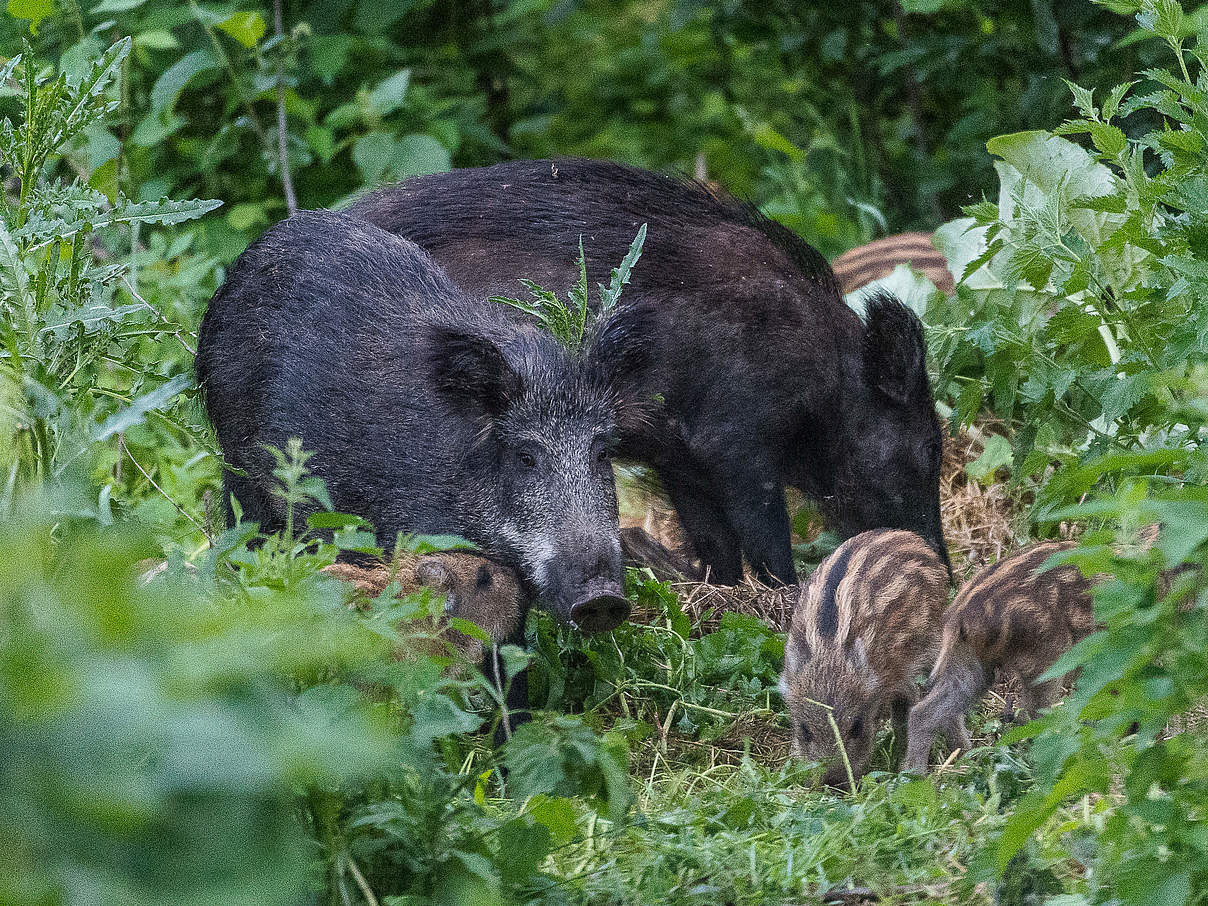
(156, 39)
(995, 455)
(388, 95)
(245, 27)
(372, 154)
(418, 155)
(33, 10)
(173, 80)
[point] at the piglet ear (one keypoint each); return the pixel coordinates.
(895, 354)
(433, 572)
(620, 353)
(471, 372)
(796, 652)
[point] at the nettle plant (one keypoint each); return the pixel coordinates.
(1086, 288)
(70, 372)
(1082, 294)
(571, 321)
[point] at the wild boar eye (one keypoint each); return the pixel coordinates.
(527, 459)
(484, 577)
(602, 456)
(857, 727)
(805, 734)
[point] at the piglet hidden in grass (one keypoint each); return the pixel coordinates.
(426, 411)
(866, 624)
(474, 589)
(1012, 617)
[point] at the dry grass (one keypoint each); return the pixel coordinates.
(981, 523)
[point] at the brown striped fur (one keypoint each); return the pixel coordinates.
(874, 260)
(475, 589)
(1012, 617)
(866, 624)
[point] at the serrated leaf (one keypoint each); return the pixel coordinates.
(620, 274)
(1084, 99)
(1111, 105)
(11, 261)
(90, 317)
(89, 91)
(140, 406)
(1121, 395)
(1108, 139)
(995, 455)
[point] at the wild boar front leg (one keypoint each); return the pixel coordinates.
(899, 717)
(756, 508)
(959, 686)
(712, 538)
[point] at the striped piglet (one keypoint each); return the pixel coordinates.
(866, 624)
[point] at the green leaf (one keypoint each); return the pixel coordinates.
(156, 39)
(245, 216)
(1053, 163)
(1163, 17)
(995, 455)
(33, 10)
(620, 274)
(388, 95)
(168, 87)
(557, 816)
(1111, 106)
(1108, 139)
(523, 846)
(116, 6)
(245, 27)
(138, 409)
(418, 155)
(766, 136)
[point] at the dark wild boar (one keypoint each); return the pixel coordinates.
(765, 377)
(426, 411)
(866, 624)
(1010, 618)
(474, 589)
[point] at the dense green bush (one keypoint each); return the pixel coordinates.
(842, 121)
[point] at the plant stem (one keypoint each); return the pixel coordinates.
(287, 180)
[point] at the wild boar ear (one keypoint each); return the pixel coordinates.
(621, 351)
(432, 572)
(895, 353)
(796, 652)
(471, 371)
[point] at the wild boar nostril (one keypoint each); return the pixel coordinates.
(600, 613)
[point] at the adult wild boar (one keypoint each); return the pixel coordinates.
(765, 377)
(425, 411)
